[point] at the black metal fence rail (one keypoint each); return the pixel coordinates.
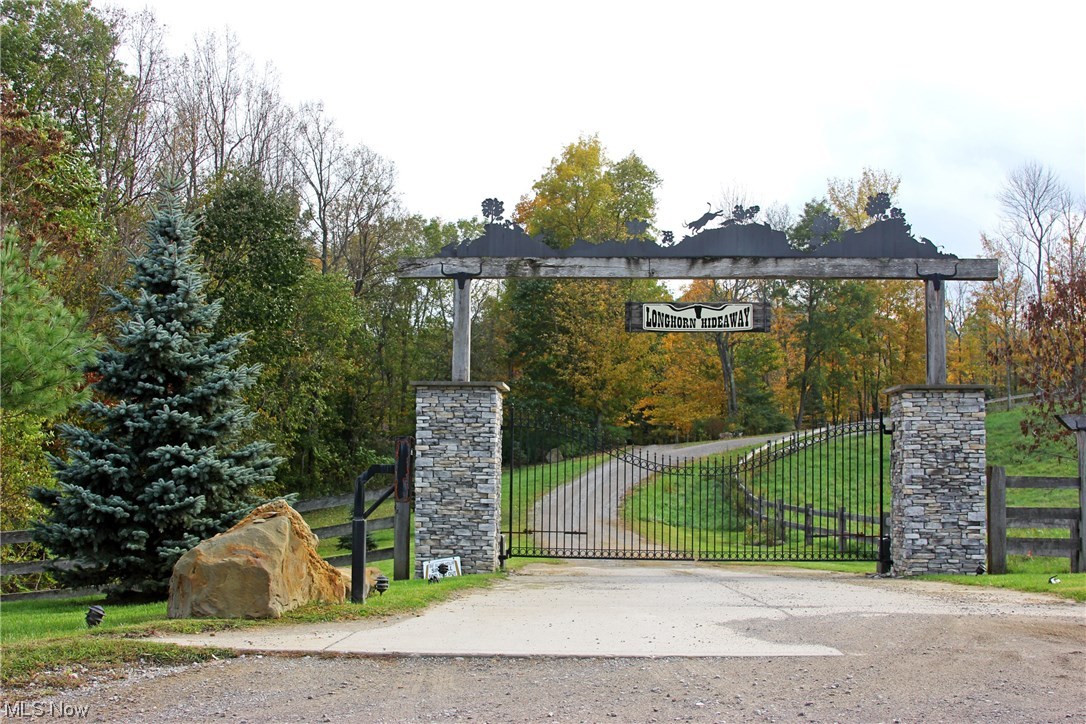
(623, 502)
(777, 511)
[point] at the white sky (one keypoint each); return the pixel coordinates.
(473, 99)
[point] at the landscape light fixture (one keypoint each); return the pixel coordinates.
(95, 614)
(381, 584)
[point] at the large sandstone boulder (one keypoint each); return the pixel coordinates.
(263, 566)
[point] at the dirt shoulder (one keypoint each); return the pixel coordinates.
(916, 651)
(913, 668)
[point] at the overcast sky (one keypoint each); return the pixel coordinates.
(473, 99)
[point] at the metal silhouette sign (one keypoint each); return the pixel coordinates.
(719, 245)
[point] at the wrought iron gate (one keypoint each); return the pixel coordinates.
(573, 491)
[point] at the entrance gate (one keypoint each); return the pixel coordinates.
(938, 508)
(575, 492)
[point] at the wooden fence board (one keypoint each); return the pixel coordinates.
(1060, 547)
(1041, 482)
(1040, 517)
(334, 531)
(1000, 518)
(332, 501)
(11, 537)
(383, 554)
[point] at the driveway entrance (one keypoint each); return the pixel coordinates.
(570, 492)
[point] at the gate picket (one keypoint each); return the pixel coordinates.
(573, 490)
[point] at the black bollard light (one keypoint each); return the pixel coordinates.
(381, 584)
(95, 614)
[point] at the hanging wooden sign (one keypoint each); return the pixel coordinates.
(697, 317)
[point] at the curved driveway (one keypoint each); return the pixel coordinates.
(582, 518)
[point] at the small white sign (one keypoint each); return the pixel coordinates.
(441, 568)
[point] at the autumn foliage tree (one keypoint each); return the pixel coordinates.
(1055, 350)
(568, 346)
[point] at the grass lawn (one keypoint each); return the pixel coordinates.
(1030, 574)
(45, 641)
(691, 509)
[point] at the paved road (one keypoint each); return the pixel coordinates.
(645, 609)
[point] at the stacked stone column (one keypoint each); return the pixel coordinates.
(458, 463)
(938, 515)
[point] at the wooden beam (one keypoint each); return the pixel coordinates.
(935, 313)
(696, 268)
(461, 351)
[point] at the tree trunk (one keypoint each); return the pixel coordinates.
(727, 369)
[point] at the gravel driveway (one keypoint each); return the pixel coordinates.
(835, 647)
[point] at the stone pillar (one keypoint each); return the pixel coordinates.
(937, 512)
(458, 466)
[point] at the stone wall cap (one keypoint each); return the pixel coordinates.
(898, 389)
(500, 386)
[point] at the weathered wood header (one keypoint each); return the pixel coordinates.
(697, 317)
(736, 250)
(696, 268)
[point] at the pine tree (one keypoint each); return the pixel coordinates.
(161, 465)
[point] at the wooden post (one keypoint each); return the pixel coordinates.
(808, 524)
(842, 529)
(997, 520)
(401, 541)
(461, 351)
(1077, 565)
(1081, 435)
(935, 308)
(1077, 424)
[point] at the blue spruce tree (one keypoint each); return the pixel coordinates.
(161, 464)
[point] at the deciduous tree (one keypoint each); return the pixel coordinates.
(568, 346)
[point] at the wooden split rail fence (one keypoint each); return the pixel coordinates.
(1001, 519)
(814, 525)
(15, 537)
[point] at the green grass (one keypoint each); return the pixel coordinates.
(1009, 448)
(44, 641)
(842, 469)
(1030, 574)
(42, 619)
